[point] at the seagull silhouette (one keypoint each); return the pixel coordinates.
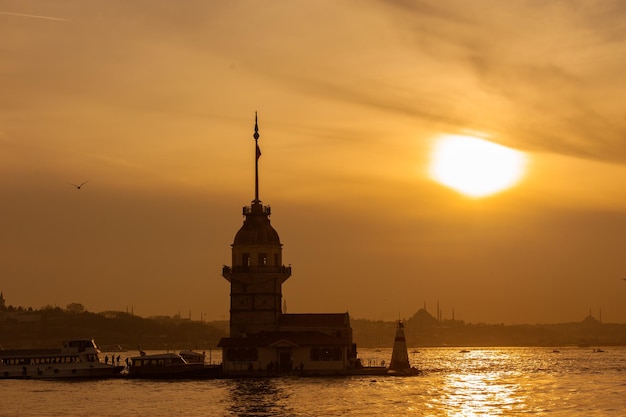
(79, 185)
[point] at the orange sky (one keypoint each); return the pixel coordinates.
(153, 103)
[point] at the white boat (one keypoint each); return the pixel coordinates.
(77, 358)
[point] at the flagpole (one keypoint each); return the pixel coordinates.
(256, 159)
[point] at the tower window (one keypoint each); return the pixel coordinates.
(276, 259)
(262, 259)
(245, 259)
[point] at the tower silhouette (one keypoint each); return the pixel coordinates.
(256, 273)
(264, 339)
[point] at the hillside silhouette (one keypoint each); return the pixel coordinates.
(49, 326)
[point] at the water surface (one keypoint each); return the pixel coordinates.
(479, 382)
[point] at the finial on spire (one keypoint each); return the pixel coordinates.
(256, 127)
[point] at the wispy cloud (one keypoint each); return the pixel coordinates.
(33, 16)
(551, 72)
(537, 76)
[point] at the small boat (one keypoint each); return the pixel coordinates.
(170, 366)
(78, 358)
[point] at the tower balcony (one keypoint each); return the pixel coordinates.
(227, 271)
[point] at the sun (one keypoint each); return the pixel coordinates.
(475, 167)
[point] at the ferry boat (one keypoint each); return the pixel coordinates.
(77, 358)
(170, 366)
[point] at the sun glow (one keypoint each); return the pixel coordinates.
(475, 167)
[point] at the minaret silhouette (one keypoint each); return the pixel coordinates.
(256, 273)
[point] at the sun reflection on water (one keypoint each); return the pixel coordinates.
(492, 391)
(479, 394)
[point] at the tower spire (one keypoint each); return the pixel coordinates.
(256, 159)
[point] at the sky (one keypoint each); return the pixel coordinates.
(152, 103)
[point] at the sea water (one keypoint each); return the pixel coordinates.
(455, 382)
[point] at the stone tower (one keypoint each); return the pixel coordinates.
(256, 273)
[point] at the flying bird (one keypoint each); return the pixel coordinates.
(79, 185)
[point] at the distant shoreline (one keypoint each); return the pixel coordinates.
(47, 327)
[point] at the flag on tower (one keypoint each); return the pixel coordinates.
(258, 152)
